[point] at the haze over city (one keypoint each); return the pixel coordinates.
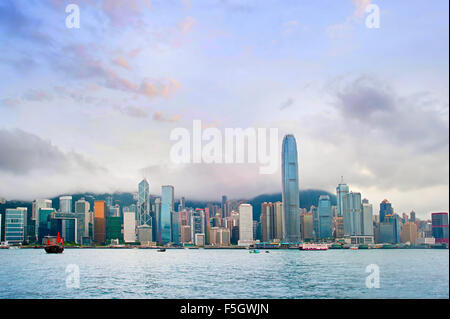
(91, 109)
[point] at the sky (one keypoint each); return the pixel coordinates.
(92, 108)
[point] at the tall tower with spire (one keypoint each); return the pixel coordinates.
(341, 190)
(143, 204)
(290, 194)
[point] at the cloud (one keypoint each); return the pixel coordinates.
(160, 117)
(123, 13)
(187, 24)
(120, 61)
(37, 95)
(289, 102)
(9, 102)
(153, 88)
(24, 152)
(134, 111)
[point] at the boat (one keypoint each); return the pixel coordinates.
(267, 251)
(353, 247)
(254, 251)
(162, 250)
(4, 245)
(313, 247)
(54, 247)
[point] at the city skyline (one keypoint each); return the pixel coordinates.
(92, 108)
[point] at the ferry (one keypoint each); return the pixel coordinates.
(53, 247)
(313, 247)
(353, 247)
(162, 250)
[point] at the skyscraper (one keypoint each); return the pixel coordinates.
(15, 225)
(143, 204)
(82, 214)
(290, 194)
(352, 214)
(385, 209)
(197, 224)
(325, 221)
(278, 209)
(167, 202)
(65, 204)
(99, 222)
(439, 227)
(341, 191)
(367, 218)
(267, 219)
(129, 227)
(245, 225)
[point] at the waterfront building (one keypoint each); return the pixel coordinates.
(15, 225)
(129, 227)
(197, 223)
(64, 224)
(278, 211)
(224, 205)
(366, 218)
(39, 203)
(267, 220)
(290, 190)
(185, 234)
(390, 229)
(339, 227)
(409, 233)
(412, 216)
(114, 229)
(315, 215)
(341, 191)
(65, 204)
(325, 222)
(99, 222)
(167, 204)
(200, 239)
(143, 203)
(82, 208)
(352, 214)
(114, 211)
(176, 228)
(44, 221)
(245, 225)
(145, 234)
(157, 224)
(307, 226)
(439, 224)
(385, 209)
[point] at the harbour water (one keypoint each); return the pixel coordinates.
(210, 273)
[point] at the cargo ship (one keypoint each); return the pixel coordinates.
(53, 247)
(313, 247)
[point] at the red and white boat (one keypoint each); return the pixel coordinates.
(313, 247)
(55, 248)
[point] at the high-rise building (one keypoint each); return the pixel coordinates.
(390, 229)
(129, 227)
(325, 222)
(175, 228)
(15, 225)
(44, 221)
(157, 224)
(412, 216)
(367, 218)
(267, 220)
(197, 224)
(385, 209)
(290, 191)
(278, 210)
(307, 226)
(114, 229)
(245, 225)
(224, 205)
(185, 234)
(409, 233)
(439, 226)
(352, 214)
(339, 227)
(143, 203)
(39, 203)
(167, 202)
(82, 208)
(145, 234)
(100, 222)
(65, 204)
(341, 190)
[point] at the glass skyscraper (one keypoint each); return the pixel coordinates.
(341, 191)
(143, 205)
(290, 195)
(324, 209)
(167, 198)
(15, 225)
(385, 209)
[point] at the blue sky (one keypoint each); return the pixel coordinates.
(369, 104)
